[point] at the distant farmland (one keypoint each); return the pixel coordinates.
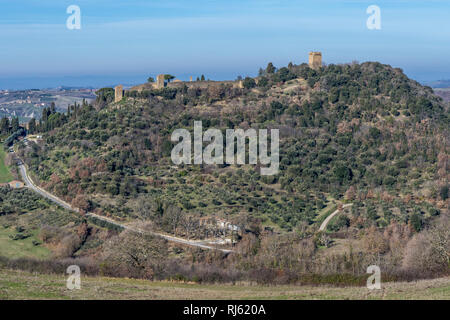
(444, 93)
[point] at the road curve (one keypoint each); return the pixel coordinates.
(157, 234)
(30, 184)
(324, 224)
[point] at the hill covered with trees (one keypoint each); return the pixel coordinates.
(360, 133)
(361, 129)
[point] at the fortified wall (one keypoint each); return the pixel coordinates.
(161, 83)
(315, 62)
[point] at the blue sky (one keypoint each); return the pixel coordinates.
(126, 41)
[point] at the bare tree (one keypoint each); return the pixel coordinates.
(138, 254)
(172, 217)
(428, 251)
(190, 224)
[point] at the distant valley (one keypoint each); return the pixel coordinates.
(444, 93)
(27, 104)
(441, 88)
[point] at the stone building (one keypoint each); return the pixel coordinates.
(160, 81)
(118, 93)
(315, 60)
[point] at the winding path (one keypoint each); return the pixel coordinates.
(29, 182)
(325, 222)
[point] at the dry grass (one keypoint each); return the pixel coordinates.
(24, 285)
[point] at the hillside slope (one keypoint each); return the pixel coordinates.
(366, 129)
(364, 134)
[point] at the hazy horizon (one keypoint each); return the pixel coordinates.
(127, 41)
(99, 81)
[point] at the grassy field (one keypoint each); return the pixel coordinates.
(20, 248)
(23, 285)
(5, 175)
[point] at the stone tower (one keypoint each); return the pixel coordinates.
(118, 93)
(315, 60)
(160, 81)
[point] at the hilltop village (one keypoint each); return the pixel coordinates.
(315, 62)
